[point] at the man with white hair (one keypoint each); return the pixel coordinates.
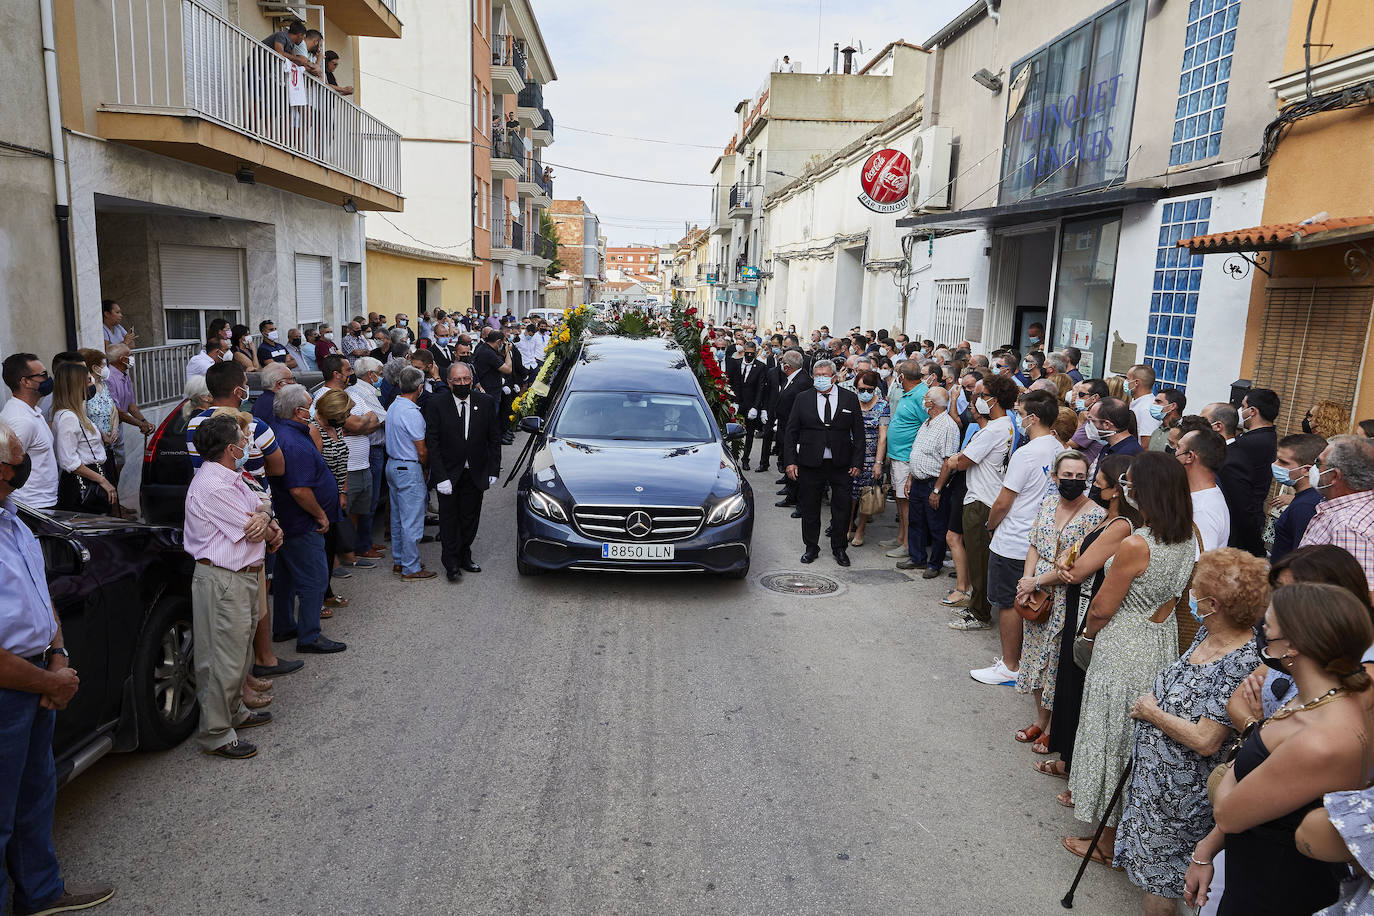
(36, 681)
(273, 378)
(927, 510)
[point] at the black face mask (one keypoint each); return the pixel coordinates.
(1262, 646)
(351, 380)
(1307, 424)
(1102, 501)
(21, 472)
(1072, 489)
(45, 388)
(461, 391)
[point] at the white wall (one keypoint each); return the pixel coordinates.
(956, 257)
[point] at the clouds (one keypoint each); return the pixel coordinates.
(675, 71)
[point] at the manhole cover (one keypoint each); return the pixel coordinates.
(792, 583)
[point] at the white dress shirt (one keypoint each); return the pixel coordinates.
(35, 437)
(821, 399)
(464, 406)
(74, 444)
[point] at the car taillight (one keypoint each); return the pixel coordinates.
(150, 449)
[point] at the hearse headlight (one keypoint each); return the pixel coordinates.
(727, 510)
(545, 505)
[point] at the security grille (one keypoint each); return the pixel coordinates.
(1312, 345)
(951, 310)
(619, 523)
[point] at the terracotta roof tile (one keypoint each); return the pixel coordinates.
(1272, 234)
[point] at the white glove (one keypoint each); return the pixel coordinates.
(445, 487)
(505, 389)
(753, 413)
(491, 481)
(763, 416)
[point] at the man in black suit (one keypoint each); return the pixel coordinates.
(791, 378)
(1246, 476)
(753, 394)
(825, 444)
(463, 436)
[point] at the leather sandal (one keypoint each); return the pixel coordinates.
(1042, 744)
(1053, 768)
(1095, 854)
(1029, 734)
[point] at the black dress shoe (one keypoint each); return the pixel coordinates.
(455, 575)
(796, 513)
(745, 465)
(842, 557)
(763, 468)
(470, 566)
(284, 636)
(321, 646)
(781, 480)
(782, 491)
(234, 750)
(810, 556)
(261, 717)
(784, 503)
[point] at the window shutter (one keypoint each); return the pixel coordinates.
(195, 277)
(309, 289)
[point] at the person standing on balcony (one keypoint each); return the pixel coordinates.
(290, 44)
(112, 318)
(331, 63)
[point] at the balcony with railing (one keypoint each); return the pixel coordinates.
(507, 155)
(535, 186)
(507, 235)
(508, 65)
(542, 134)
(375, 18)
(179, 80)
(528, 103)
(740, 206)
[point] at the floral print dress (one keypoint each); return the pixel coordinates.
(875, 418)
(1040, 641)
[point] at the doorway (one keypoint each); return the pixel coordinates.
(1023, 269)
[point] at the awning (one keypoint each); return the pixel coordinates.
(1029, 211)
(1283, 236)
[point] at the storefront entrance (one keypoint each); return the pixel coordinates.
(1083, 289)
(1023, 268)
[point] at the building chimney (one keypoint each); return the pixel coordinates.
(835, 59)
(849, 53)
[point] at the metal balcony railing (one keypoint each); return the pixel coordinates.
(507, 144)
(500, 222)
(739, 197)
(508, 51)
(532, 96)
(177, 57)
(159, 373)
(517, 236)
(548, 121)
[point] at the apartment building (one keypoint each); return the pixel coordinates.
(192, 173)
(581, 250)
(1084, 140)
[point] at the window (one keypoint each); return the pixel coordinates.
(951, 309)
(1174, 298)
(350, 288)
(199, 284)
(1206, 73)
(477, 106)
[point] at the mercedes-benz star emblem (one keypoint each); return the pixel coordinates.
(638, 524)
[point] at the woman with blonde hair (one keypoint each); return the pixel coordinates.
(1326, 419)
(1116, 387)
(80, 450)
(101, 408)
(326, 430)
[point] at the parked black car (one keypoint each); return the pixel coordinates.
(631, 472)
(122, 590)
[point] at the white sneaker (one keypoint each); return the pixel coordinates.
(997, 674)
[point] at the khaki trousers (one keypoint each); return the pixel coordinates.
(224, 614)
(977, 541)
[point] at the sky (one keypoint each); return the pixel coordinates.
(674, 71)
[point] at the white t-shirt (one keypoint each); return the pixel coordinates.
(1212, 518)
(358, 446)
(198, 364)
(987, 450)
(1028, 476)
(1145, 424)
(35, 436)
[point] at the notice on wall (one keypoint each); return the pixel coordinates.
(1082, 334)
(295, 84)
(1085, 364)
(1062, 339)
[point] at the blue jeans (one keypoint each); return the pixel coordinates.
(408, 497)
(302, 573)
(376, 464)
(28, 788)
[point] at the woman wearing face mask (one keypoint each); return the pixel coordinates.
(868, 386)
(326, 430)
(1182, 726)
(1082, 578)
(1314, 744)
(101, 410)
(242, 349)
(1066, 516)
(82, 485)
(1326, 419)
(1128, 648)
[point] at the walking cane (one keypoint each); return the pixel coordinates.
(1067, 902)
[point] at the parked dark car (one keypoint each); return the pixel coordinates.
(630, 471)
(122, 591)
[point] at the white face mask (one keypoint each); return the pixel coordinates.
(1093, 433)
(983, 407)
(1314, 477)
(129, 360)
(104, 372)
(272, 335)
(885, 373)
(329, 335)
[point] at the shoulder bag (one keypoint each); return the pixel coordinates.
(1037, 606)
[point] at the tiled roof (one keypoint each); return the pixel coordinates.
(1275, 235)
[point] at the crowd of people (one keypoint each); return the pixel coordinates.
(1183, 597)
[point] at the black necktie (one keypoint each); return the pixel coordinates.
(827, 408)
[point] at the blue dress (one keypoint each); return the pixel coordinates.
(874, 419)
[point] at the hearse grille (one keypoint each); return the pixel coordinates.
(638, 523)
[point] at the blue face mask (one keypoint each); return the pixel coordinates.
(777, 351)
(241, 460)
(1157, 412)
(1281, 475)
(443, 341)
(865, 396)
(1192, 608)
(1078, 405)
(822, 383)
(377, 384)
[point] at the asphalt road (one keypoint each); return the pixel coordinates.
(596, 744)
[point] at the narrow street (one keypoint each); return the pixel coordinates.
(593, 744)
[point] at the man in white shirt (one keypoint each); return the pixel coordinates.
(29, 382)
(215, 349)
(1140, 386)
(1202, 453)
(1011, 518)
(786, 65)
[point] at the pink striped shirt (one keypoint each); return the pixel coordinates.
(1347, 522)
(218, 504)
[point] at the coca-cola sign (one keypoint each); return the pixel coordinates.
(884, 179)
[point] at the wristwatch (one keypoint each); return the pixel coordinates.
(50, 651)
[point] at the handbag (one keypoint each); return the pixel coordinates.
(872, 499)
(1037, 606)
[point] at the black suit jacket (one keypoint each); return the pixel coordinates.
(1244, 482)
(449, 449)
(443, 357)
(752, 393)
(808, 437)
(787, 396)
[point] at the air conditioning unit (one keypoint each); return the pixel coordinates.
(930, 178)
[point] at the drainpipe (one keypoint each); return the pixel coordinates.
(995, 16)
(62, 210)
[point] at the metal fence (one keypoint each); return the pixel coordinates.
(159, 373)
(507, 144)
(508, 51)
(179, 56)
